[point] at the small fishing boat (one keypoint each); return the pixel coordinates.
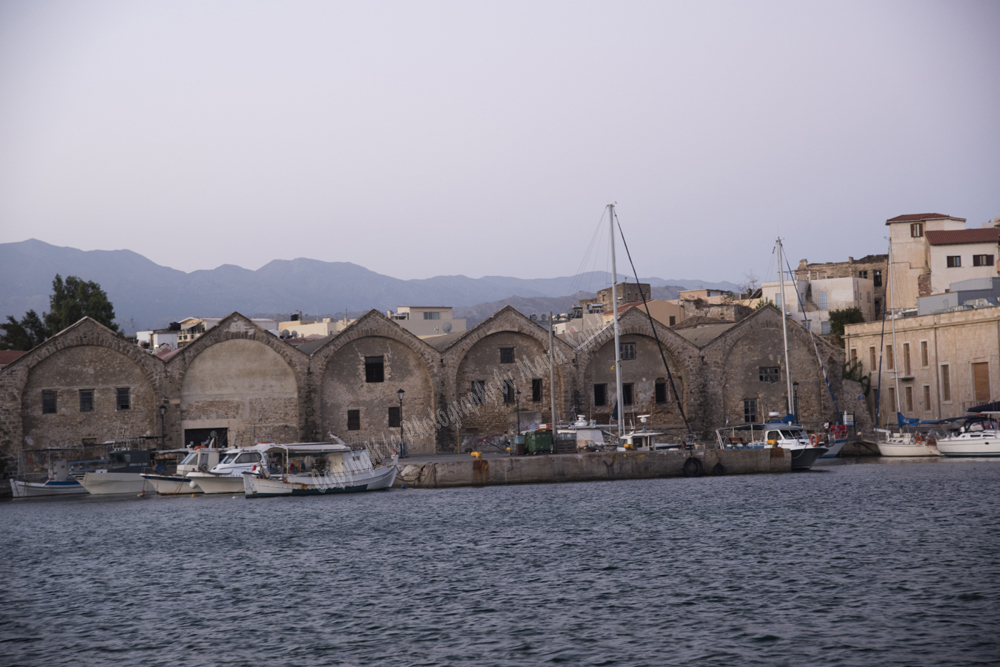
(200, 459)
(124, 471)
(227, 475)
(316, 469)
(586, 434)
(58, 483)
(805, 449)
(645, 440)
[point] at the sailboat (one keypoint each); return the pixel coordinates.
(900, 443)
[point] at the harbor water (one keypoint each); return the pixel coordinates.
(884, 563)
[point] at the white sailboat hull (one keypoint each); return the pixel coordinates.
(110, 483)
(967, 446)
(907, 449)
(308, 485)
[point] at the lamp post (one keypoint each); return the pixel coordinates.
(163, 411)
(402, 442)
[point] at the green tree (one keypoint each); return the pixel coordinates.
(75, 299)
(838, 318)
(24, 335)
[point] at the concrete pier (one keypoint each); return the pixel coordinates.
(452, 471)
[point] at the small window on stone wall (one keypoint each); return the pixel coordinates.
(536, 390)
(374, 369)
(86, 400)
(506, 355)
(478, 392)
(628, 351)
(123, 398)
(354, 420)
(749, 410)
(48, 402)
(628, 393)
(600, 395)
(769, 373)
(509, 391)
(661, 390)
(394, 416)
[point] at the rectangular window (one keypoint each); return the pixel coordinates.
(628, 397)
(923, 353)
(906, 359)
(769, 373)
(982, 260)
(661, 391)
(536, 390)
(86, 400)
(509, 391)
(506, 355)
(822, 301)
(945, 383)
(354, 420)
(374, 369)
(824, 328)
(854, 355)
(892, 399)
(600, 395)
(673, 320)
(777, 301)
(123, 398)
(869, 296)
(916, 230)
(862, 274)
(890, 361)
(48, 402)
(954, 261)
(927, 398)
(628, 351)
(878, 308)
(394, 417)
(877, 277)
(749, 410)
(908, 393)
(432, 316)
(478, 392)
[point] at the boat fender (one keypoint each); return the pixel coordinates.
(719, 470)
(693, 467)
(203, 467)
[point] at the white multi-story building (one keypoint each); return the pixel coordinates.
(810, 301)
(426, 321)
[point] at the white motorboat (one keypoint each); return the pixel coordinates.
(588, 436)
(316, 469)
(644, 440)
(124, 472)
(805, 449)
(978, 437)
(58, 483)
(227, 475)
(201, 459)
(901, 444)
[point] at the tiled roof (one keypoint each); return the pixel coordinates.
(10, 356)
(961, 236)
(917, 217)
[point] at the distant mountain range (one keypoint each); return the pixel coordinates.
(146, 295)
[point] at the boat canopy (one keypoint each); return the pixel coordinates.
(986, 408)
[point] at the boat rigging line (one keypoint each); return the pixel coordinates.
(652, 326)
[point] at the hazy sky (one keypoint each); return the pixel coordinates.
(485, 138)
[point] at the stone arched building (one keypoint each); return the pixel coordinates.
(246, 385)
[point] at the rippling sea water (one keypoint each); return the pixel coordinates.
(850, 564)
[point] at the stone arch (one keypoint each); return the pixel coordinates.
(343, 386)
(476, 357)
(744, 359)
(595, 366)
(239, 377)
(90, 357)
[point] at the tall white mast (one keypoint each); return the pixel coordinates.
(614, 306)
(892, 314)
(784, 330)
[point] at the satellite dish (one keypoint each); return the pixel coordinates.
(447, 327)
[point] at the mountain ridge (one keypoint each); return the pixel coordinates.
(147, 295)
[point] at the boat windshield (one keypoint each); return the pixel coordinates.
(248, 457)
(230, 458)
(189, 458)
(791, 435)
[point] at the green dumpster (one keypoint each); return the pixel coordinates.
(538, 442)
